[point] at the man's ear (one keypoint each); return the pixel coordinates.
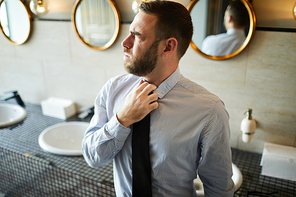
(230, 19)
(170, 47)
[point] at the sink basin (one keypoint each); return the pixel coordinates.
(63, 138)
(237, 178)
(11, 114)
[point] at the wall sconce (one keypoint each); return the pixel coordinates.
(135, 6)
(38, 7)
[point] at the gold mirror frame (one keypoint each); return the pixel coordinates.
(30, 25)
(115, 34)
(246, 42)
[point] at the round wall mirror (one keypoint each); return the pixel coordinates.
(15, 21)
(96, 22)
(222, 28)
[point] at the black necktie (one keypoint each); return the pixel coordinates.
(141, 158)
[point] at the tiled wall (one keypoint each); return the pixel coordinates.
(54, 62)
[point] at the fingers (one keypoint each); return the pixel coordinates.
(153, 105)
(145, 92)
(138, 104)
(145, 88)
(141, 82)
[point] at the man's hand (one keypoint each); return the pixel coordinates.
(138, 104)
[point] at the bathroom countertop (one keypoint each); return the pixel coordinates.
(46, 174)
(255, 184)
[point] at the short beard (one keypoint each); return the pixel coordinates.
(145, 64)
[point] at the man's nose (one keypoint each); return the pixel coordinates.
(127, 42)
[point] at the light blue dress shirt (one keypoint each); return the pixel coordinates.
(225, 43)
(189, 132)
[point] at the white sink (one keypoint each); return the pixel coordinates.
(63, 138)
(237, 178)
(11, 114)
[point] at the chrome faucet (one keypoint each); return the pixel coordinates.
(14, 94)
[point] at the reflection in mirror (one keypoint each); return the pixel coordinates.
(96, 22)
(15, 21)
(223, 28)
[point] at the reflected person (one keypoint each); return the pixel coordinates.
(235, 20)
(189, 127)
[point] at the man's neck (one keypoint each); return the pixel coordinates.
(157, 76)
(232, 26)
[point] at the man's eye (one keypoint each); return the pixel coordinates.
(135, 34)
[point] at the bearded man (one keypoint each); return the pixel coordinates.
(189, 129)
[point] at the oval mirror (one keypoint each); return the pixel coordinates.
(15, 21)
(216, 34)
(96, 22)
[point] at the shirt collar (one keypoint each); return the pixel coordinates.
(235, 31)
(168, 84)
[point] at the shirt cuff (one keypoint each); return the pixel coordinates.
(117, 130)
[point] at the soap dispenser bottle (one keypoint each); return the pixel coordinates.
(248, 127)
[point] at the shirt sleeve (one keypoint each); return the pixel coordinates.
(104, 137)
(215, 166)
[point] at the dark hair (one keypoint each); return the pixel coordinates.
(239, 13)
(173, 20)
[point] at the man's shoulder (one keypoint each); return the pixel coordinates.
(197, 89)
(215, 38)
(202, 98)
(122, 79)
(117, 84)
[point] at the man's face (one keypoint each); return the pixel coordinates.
(140, 46)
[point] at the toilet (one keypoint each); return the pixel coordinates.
(237, 178)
